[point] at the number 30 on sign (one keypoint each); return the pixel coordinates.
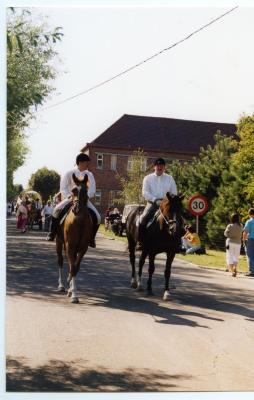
(198, 205)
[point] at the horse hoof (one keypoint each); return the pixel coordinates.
(60, 289)
(75, 300)
(134, 284)
(69, 293)
(166, 295)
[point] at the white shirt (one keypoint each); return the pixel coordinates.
(67, 184)
(156, 187)
(47, 210)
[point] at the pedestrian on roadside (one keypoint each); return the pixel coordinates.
(248, 237)
(233, 233)
(47, 212)
(22, 217)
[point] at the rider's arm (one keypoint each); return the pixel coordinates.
(146, 189)
(172, 186)
(65, 185)
(92, 186)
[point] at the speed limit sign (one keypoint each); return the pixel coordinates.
(198, 205)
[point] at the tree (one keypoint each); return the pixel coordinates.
(29, 76)
(243, 160)
(46, 182)
(132, 183)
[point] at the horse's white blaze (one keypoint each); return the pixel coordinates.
(166, 295)
(61, 279)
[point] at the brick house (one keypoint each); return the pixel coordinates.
(172, 139)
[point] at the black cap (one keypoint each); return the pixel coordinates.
(159, 161)
(82, 157)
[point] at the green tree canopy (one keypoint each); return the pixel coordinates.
(132, 183)
(29, 80)
(46, 182)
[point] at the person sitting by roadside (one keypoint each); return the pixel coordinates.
(191, 241)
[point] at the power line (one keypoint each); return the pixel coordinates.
(140, 63)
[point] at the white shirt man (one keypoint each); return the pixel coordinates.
(155, 187)
(66, 185)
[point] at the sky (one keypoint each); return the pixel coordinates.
(208, 77)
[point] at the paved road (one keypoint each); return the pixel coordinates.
(118, 339)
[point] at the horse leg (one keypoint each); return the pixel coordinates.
(132, 256)
(151, 269)
(59, 248)
(167, 273)
(140, 268)
(72, 292)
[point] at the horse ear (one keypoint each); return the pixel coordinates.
(168, 195)
(181, 196)
(75, 179)
(85, 180)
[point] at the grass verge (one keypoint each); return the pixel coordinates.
(214, 259)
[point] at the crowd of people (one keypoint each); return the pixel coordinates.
(154, 188)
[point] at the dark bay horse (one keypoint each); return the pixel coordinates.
(163, 235)
(74, 234)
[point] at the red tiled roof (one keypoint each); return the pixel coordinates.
(167, 134)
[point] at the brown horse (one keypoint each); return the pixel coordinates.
(162, 236)
(74, 234)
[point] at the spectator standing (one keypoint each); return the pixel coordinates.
(233, 233)
(248, 237)
(22, 217)
(8, 208)
(47, 213)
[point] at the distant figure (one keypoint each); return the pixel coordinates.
(22, 216)
(248, 237)
(9, 208)
(47, 212)
(191, 241)
(233, 233)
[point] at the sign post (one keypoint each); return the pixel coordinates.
(198, 206)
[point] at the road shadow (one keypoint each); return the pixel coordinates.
(104, 280)
(59, 376)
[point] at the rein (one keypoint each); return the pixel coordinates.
(168, 221)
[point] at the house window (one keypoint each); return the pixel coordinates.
(129, 163)
(113, 162)
(97, 197)
(113, 197)
(100, 161)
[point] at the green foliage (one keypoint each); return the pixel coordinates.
(29, 77)
(46, 182)
(132, 183)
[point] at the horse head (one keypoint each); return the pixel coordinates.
(79, 193)
(171, 214)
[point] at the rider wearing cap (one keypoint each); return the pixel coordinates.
(155, 187)
(66, 185)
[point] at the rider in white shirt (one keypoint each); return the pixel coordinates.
(155, 187)
(66, 185)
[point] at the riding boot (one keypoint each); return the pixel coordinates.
(92, 241)
(53, 229)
